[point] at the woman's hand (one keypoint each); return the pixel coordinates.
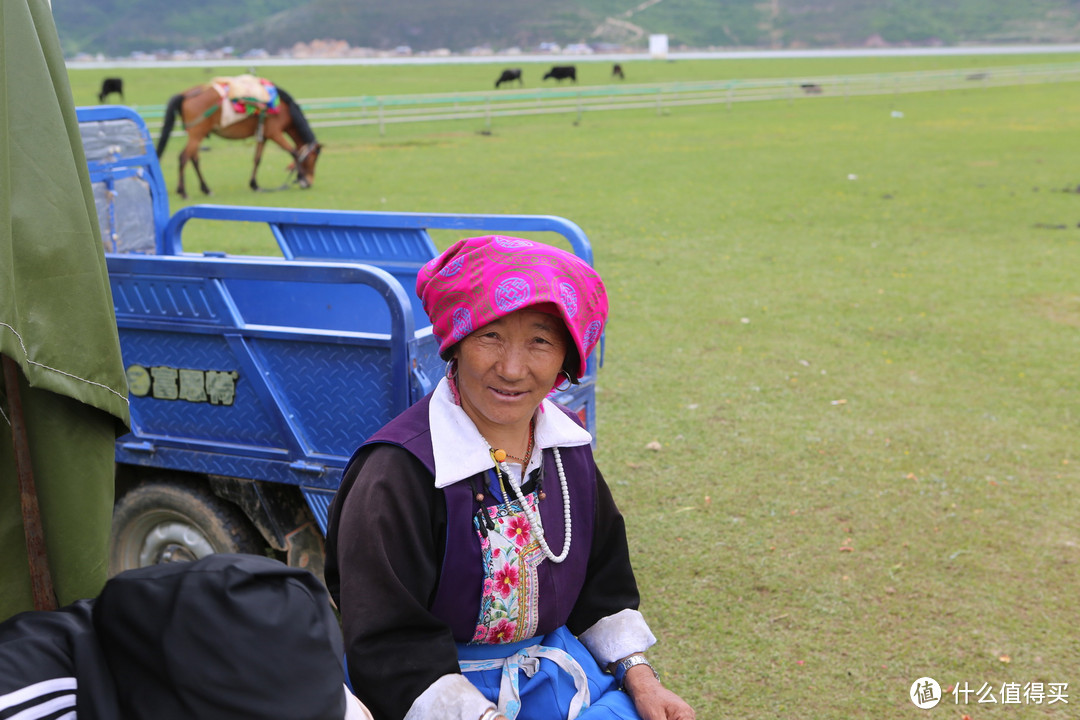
(652, 700)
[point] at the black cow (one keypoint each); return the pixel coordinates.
(509, 75)
(616, 71)
(561, 72)
(110, 86)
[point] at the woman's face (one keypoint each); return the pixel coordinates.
(507, 367)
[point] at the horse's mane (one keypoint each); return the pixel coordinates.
(301, 123)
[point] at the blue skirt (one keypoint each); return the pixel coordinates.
(545, 687)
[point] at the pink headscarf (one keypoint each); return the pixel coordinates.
(481, 279)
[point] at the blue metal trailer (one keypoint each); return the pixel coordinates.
(253, 379)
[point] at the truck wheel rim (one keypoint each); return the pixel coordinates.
(173, 542)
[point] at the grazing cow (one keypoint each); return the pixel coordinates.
(616, 71)
(560, 72)
(110, 86)
(811, 88)
(509, 75)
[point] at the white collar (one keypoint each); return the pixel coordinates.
(461, 451)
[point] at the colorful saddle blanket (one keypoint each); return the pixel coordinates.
(245, 95)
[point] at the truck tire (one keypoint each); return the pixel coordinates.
(159, 522)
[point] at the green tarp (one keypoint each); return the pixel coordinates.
(56, 318)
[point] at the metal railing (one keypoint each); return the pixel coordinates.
(383, 110)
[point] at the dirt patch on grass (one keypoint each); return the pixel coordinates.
(1064, 309)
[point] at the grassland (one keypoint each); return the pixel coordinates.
(851, 325)
(154, 86)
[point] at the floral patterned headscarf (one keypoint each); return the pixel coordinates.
(481, 279)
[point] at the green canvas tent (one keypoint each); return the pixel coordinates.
(57, 328)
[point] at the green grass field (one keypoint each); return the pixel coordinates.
(853, 335)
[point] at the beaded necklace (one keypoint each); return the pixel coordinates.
(534, 520)
(501, 468)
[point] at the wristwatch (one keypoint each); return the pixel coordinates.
(619, 668)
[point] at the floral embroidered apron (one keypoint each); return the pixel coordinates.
(511, 555)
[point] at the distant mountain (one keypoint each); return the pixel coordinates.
(119, 27)
(421, 24)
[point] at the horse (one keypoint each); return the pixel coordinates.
(559, 72)
(200, 109)
(616, 71)
(110, 86)
(509, 75)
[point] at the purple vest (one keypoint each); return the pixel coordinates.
(460, 586)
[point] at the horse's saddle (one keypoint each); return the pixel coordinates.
(244, 95)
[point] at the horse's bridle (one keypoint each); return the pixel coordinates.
(301, 155)
(304, 151)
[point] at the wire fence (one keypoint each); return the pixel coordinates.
(384, 110)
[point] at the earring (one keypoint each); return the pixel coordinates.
(569, 382)
(451, 380)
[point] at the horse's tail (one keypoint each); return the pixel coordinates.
(171, 111)
(298, 119)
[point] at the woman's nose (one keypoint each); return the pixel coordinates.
(513, 364)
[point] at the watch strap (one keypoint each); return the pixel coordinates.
(619, 668)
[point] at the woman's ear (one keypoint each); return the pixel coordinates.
(572, 362)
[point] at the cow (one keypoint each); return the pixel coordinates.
(560, 72)
(110, 86)
(509, 75)
(616, 71)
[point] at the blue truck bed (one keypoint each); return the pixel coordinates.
(253, 379)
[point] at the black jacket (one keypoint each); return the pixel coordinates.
(227, 636)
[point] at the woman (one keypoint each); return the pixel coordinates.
(475, 552)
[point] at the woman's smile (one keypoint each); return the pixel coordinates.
(509, 393)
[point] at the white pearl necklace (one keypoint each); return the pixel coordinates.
(534, 520)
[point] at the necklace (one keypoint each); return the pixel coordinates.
(502, 455)
(534, 519)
